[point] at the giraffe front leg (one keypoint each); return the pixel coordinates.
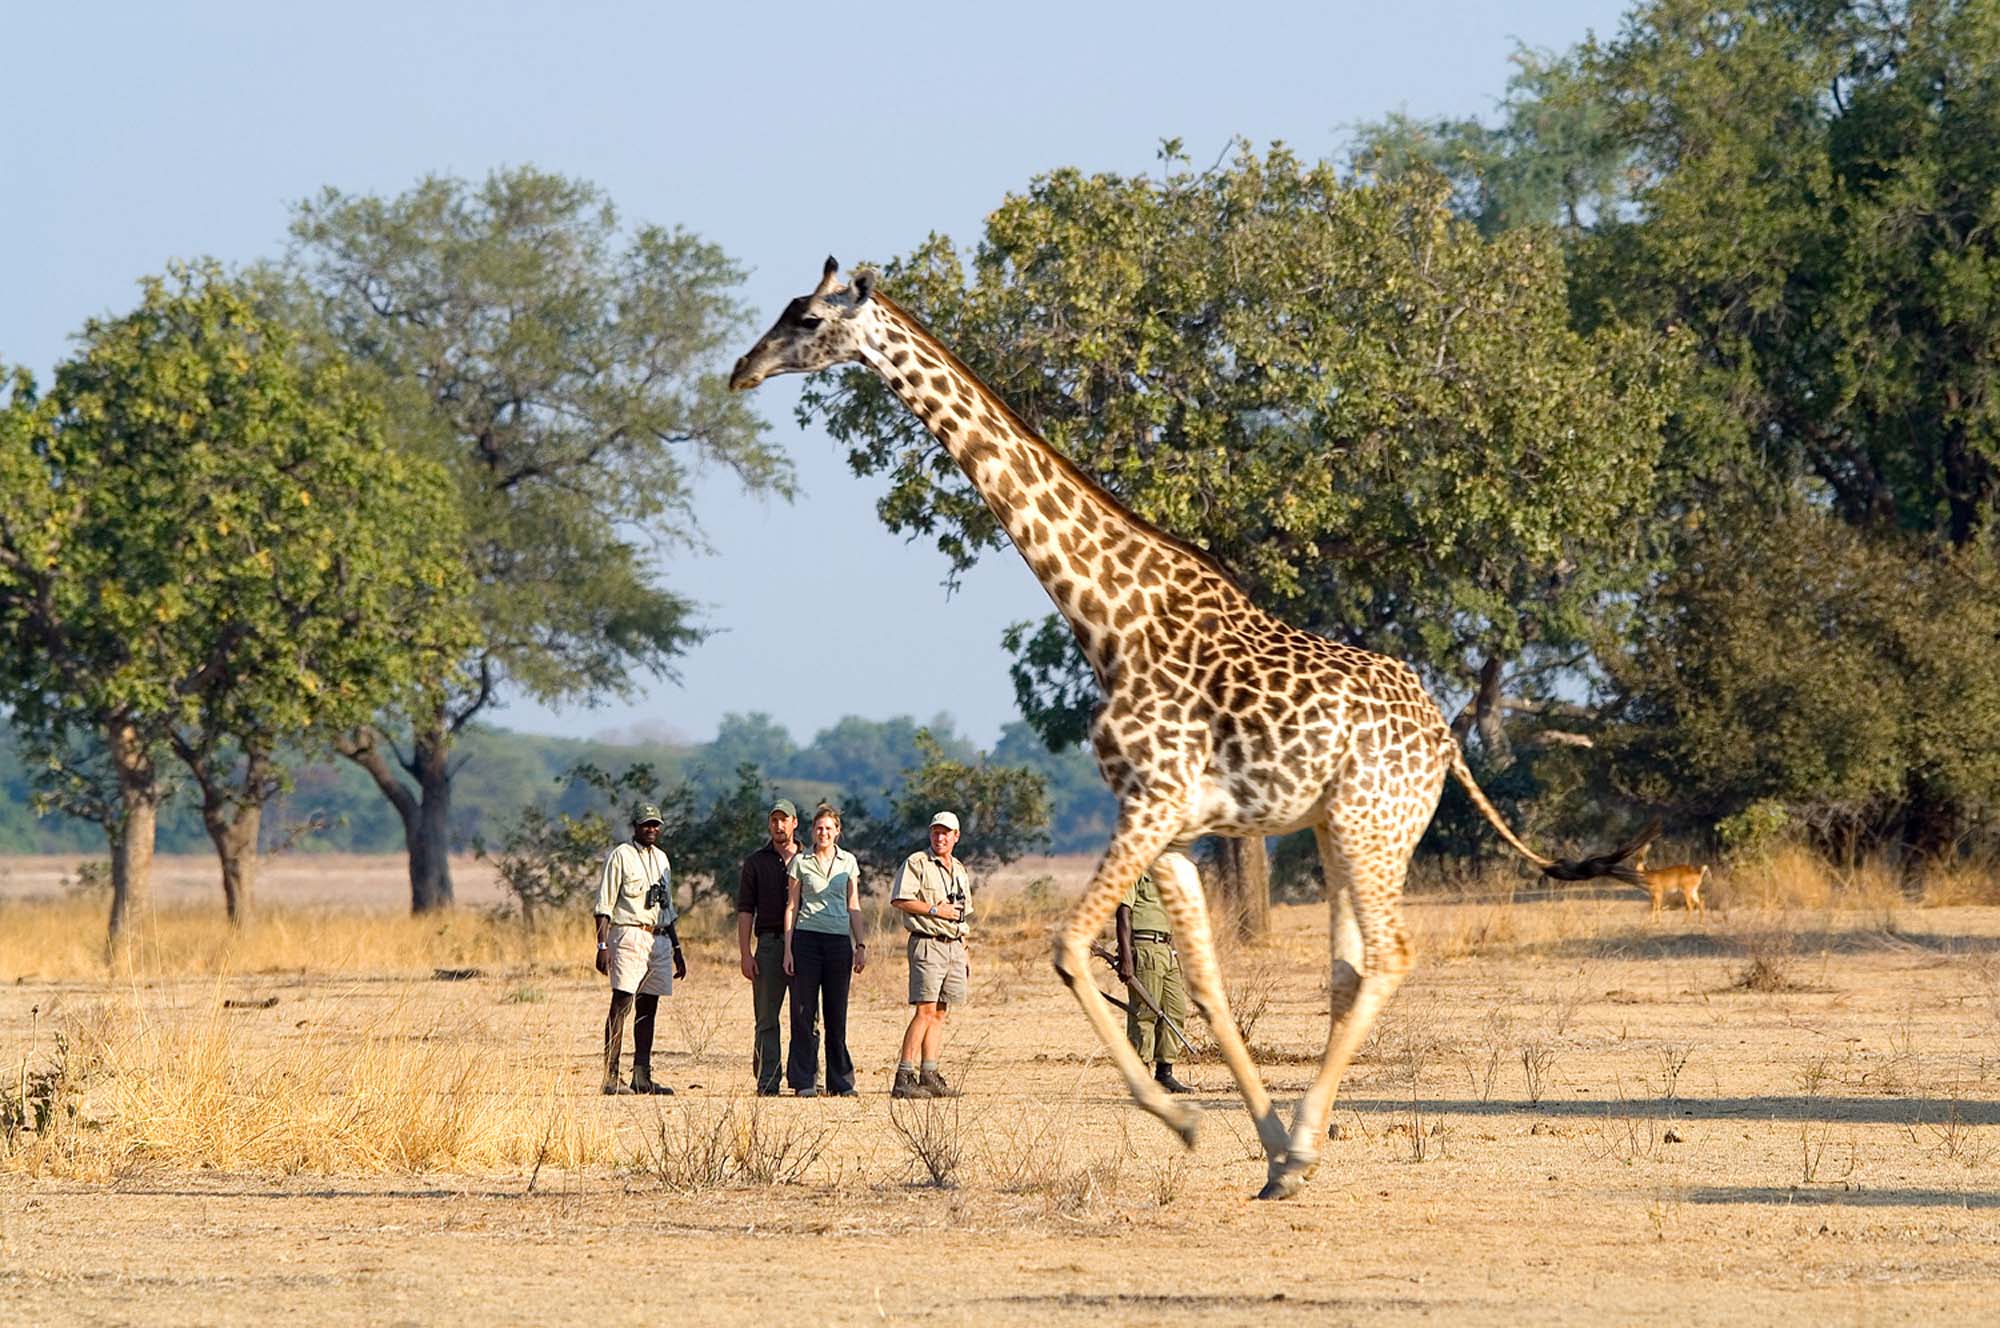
(1121, 865)
(1180, 891)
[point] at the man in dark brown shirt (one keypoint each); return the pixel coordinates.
(760, 939)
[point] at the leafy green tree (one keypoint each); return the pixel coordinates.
(570, 373)
(1003, 813)
(84, 708)
(300, 573)
(1814, 197)
(1795, 663)
(1380, 420)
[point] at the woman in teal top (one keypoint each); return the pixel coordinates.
(823, 952)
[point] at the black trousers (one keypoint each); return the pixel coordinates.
(822, 974)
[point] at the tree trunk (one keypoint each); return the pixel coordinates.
(430, 847)
(1488, 716)
(133, 836)
(1244, 875)
(235, 840)
(425, 813)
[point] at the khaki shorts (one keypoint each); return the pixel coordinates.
(642, 961)
(937, 971)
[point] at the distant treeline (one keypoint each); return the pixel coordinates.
(505, 771)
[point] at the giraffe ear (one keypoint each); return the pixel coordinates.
(864, 286)
(826, 275)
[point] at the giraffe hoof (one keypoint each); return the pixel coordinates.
(1288, 1177)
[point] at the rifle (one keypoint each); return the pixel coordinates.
(1145, 996)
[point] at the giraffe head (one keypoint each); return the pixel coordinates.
(815, 331)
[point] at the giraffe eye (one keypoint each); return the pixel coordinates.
(810, 321)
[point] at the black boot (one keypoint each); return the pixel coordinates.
(644, 1015)
(1163, 1075)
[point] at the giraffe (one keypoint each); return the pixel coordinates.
(1218, 719)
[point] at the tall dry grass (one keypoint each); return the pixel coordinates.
(64, 938)
(126, 1085)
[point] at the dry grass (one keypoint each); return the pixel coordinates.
(64, 938)
(136, 1086)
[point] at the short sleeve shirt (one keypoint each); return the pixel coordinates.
(630, 873)
(924, 877)
(823, 890)
(761, 889)
(1148, 912)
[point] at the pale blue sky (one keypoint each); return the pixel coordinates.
(139, 133)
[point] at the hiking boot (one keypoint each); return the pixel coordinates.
(642, 1083)
(612, 1088)
(908, 1086)
(1163, 1075)
(808, 1092)
(934, 1085)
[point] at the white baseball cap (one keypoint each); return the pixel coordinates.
(945, 819)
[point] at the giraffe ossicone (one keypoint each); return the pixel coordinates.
(1218, 718)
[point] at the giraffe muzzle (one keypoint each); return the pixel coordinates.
(742, 378)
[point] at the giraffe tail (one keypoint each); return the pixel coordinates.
(1615, 864)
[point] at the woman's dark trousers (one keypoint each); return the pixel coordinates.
(822, 974)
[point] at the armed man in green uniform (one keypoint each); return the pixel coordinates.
(1146, 960)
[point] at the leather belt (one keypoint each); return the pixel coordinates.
(1164, 938)
(644, 926)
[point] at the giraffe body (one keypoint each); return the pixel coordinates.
(1218, 718)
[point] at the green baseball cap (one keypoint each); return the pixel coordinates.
(785, 805)
(645, 812)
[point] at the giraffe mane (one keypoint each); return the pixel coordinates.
(1068, 467)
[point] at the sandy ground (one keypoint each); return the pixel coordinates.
(1694, 1152)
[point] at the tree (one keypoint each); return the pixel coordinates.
(569, 373)
(1793, 663)
(1379, 420)
(278, 571)
(1003, 812)
(68, 671)
(1814, 195)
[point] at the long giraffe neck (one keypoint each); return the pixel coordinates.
(1095, 559)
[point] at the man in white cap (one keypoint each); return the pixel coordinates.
(933, 892)
(637, 946)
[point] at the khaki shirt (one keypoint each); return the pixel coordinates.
(1149, 913)
(629, 873)
(924, 877)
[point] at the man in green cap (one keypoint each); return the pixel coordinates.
(1146, 960)
(637, 946)
(761, 884)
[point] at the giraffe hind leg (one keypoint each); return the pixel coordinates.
(1370, 887)
(1121, 865)
(1180, 891)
